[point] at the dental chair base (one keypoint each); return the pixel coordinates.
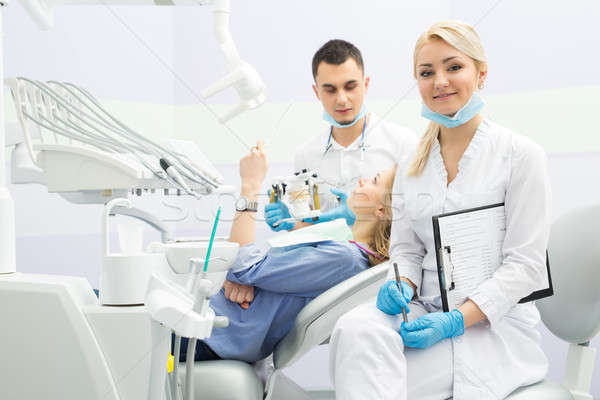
(281, 387)
(545, 389)
(579, 371)
(59, 343)
(224, 380)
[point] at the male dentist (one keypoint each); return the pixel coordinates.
(356, 144)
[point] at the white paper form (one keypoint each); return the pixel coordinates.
(471, 244)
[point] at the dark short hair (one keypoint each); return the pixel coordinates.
(336, 52)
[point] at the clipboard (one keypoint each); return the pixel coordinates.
(468, 247)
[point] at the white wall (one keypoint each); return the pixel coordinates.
(530, 45)
(115, 51)
(98, 47)
(151, 62)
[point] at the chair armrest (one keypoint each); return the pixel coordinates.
(316, 320)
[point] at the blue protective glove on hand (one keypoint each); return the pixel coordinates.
(429, 329)
(275, 212)
(341, 211)
(391, 301)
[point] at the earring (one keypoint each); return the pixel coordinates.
(481, 86)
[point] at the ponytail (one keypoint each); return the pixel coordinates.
(423, 149)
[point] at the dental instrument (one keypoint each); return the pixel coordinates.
(300, 194)
(174, 174)
(59, 110)
(391, 300)
(342, 210)
(404, 317)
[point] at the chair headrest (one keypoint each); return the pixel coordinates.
(573, 313)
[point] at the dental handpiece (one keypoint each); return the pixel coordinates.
(176, 176)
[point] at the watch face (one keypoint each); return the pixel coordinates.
(241, 204)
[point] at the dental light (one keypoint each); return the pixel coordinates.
(243, 77)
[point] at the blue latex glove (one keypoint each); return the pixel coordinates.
(391, 301)
(429, 329)
(341, 211)
(276, 212)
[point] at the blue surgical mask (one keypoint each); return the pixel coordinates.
(330, 120)
(462, 116)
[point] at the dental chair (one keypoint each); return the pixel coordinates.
(236, 380)
(314, 325)
(573, 313)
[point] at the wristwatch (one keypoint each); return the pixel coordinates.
(242, 204)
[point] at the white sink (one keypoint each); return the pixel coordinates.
(179, 254)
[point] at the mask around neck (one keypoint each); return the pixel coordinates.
(330, 120)
(462, 116)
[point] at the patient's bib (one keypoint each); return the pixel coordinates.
(336, 230)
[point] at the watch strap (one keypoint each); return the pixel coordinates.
(249, 206)
(252, 206)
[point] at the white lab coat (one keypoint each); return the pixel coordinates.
(385, 145)
(494, 357)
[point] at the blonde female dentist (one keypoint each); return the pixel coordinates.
(489, 346)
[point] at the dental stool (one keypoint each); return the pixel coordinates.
(236, 380)
(573, 313)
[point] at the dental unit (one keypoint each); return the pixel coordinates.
(115, 346)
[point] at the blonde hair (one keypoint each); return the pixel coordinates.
(380, 241)
(463, 38)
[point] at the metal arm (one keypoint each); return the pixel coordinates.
(148, 218)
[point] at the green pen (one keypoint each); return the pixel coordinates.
(401, 290)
